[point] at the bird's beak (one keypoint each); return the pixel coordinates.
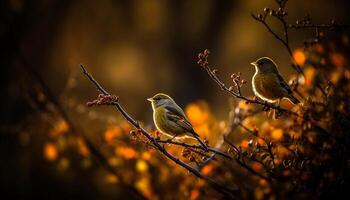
(253, 63)
(150, 99)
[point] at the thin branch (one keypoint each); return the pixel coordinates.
(75, 130)
(206, 161)
(252, 132)
(285, 41)
(280, 13)
(318, 26)
(242, 163)
(203, 62)
(228, 192)
(213, 150)
(269, 144)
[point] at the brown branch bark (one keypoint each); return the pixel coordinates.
(203, 62)
(213, 150)
(242, 163)
(226, 191)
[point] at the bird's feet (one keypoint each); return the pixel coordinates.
(171, 139)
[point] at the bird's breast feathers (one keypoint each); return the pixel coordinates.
(165, 124)
(267, 87)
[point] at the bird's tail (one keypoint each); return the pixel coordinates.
(195, 135)
(293, 99)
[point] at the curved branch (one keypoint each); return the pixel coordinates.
(74, 129)
(203, 62)
(213, 150)
(226, 191)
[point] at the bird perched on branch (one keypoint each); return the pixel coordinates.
(268, 84)
(170, 119)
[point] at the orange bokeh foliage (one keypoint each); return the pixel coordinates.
(82, 148)
(126, 152)
(113, 161)
(244, 144)
(143, 184)
(261, 141)
(257, 166)
(318, 48)
(309, 76)
(111, 178)
(207, 169)
(146, 155)
(281, 151)
(194, 194)
(299, 57)
(111, 134)
(266, 128)
(125, 126)
(277, 134)
(338, 59)
(50, 151)
(204, 123)
(59, 128)
(197, 113)
(263, 182)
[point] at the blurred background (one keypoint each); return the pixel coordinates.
(135, 49)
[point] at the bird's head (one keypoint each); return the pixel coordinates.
(265, 65)
(160, 99)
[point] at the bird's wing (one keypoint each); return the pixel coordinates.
(283, 84)
(179, 118)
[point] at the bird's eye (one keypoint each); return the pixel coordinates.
(156, 98)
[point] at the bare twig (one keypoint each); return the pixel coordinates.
(227, 191)
(75, 130)
(269, 144)
(203, 62)
(206, 161)
(213, 150)
(240, 160)
(280, 14)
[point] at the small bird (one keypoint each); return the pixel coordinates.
(170, 119)
(268, 84)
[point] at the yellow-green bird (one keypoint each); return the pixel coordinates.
(170, 119)
(268, 84)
